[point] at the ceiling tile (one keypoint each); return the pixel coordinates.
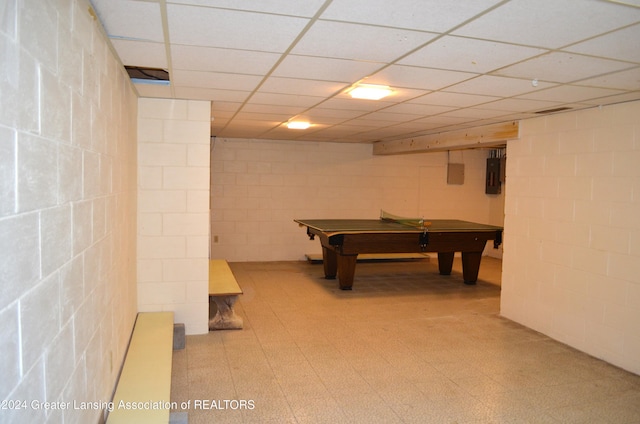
(625, 80)
(284, 133)
(228, 28)
(356, 126)
(569, 94)
(423, 15)
(359, 42)
(338, 133)
(297, 86)
(549, 23)
(321, 114)
(244, 129)
(306, 8)
(141, 53)
(521, 105)
(562, 67)
(384, 133)
(441, 121)
(215, 80)
(614, 45)
(363, 124)
(324, 121)
(200, 93)
(346, 103)
(375, 118)
(497, 86)
(222, 60)
(255, 117)
(616, 98)
(417, 109)
(225, 107)
(476, 113)
(470, 55)
(284, 99)
(281, 109)
(262, 62)
(420, 78)
(322, 68)
(445, 98)
(130, 19)
(413, 127)
(257, 125)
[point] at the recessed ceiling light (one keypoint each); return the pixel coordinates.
(298, 125)
(370, 91)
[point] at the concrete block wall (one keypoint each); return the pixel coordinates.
(173, 209)
(571, 266)
(67, 212)
(258, 187)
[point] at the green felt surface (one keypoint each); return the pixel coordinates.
(377, 225)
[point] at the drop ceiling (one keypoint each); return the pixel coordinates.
(452, 64)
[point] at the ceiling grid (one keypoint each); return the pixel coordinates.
(452, 65)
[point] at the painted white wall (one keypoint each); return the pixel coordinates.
(258, 187)
(173, 209)
(571, 265)
(67, 211)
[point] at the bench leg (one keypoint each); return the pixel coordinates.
(226, 318)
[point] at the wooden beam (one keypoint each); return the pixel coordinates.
(485, 136)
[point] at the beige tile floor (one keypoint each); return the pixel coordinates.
(407, 345)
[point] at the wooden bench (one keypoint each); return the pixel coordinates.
(224, 290)
(144, 386)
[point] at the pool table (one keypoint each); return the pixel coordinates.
(343, 239)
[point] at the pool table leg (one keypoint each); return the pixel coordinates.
(470, 266)
(346, 270)
(445, 262)
(330, 263)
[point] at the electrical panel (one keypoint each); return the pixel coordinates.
(495, 172)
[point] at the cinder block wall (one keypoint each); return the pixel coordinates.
(571, 266)
(67, 211)
(173, 209)
(258, 187)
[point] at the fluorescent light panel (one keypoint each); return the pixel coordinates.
(370, 92)
(298, 125)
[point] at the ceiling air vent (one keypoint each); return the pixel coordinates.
(140, 75)
(558, 109)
